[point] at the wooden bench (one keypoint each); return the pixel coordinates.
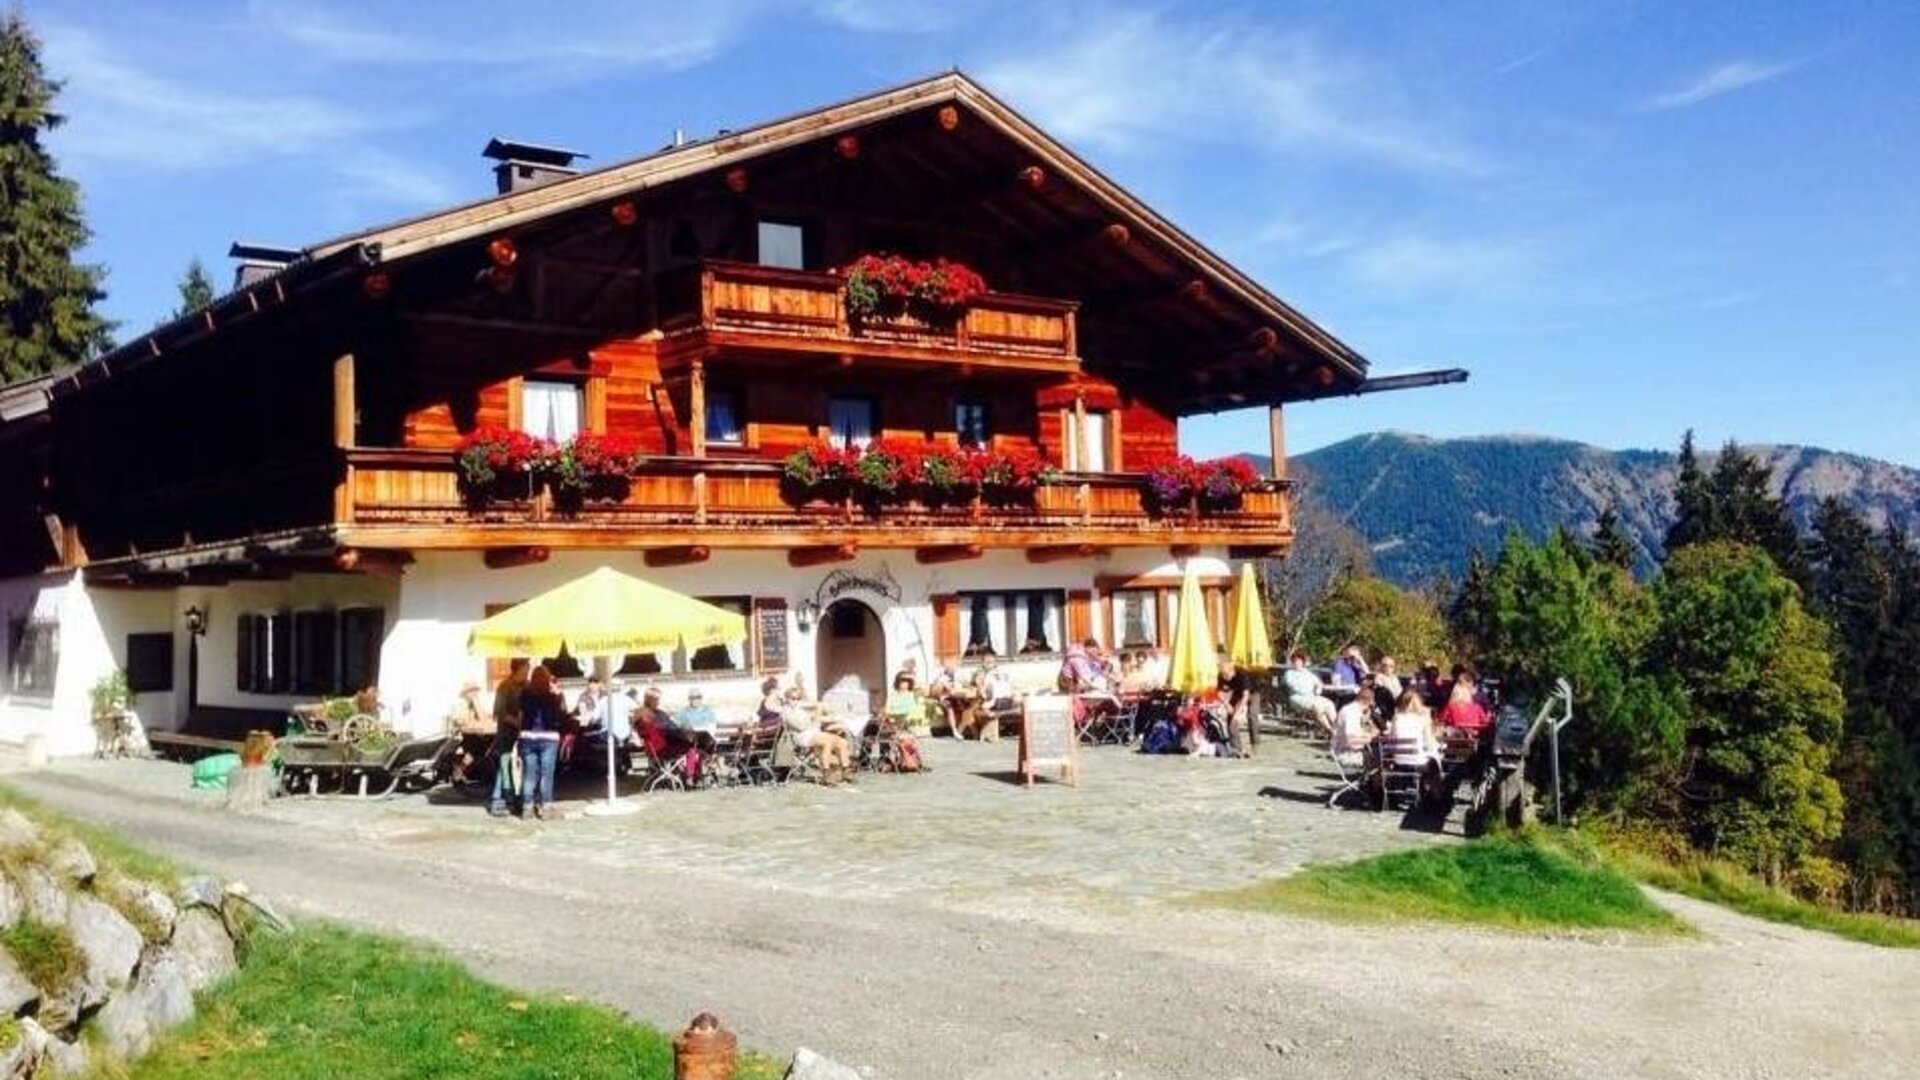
(214, 729)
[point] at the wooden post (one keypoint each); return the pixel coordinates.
(344, 408)
(697, 407)
(1277, 435)
(1079, 430)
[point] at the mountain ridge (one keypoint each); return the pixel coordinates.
(1423, 503)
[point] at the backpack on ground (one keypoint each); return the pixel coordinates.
(1163, 737)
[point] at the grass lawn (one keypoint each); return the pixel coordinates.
(327, 1002)
(1533, 881)
(1729, 886)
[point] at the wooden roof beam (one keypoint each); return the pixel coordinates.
(946, 553)
(820, 554)
(503, 558)
(685, 555)
(1051, 553)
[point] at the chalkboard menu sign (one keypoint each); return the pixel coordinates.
(1047, 738)
(770, 635)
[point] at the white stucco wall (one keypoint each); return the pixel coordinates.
(444, 593)
(219, 647)
(94, 624)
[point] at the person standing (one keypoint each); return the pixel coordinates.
(541, 713)
(506, 737)
(1236, 691)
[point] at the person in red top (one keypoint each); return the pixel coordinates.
(1462, 710)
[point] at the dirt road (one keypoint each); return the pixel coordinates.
(941, 986)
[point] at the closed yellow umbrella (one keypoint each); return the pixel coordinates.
(1194, 666)
(606, 613)
(1247, 640)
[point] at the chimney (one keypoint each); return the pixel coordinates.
(258, 262)
(524, 165)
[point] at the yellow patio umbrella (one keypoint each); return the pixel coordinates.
(606, 613)
(1247, 640)
(1194, 666)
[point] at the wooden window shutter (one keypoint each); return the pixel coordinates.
(1079, 614)
(946, 629)
(280, 678)
(243, 655)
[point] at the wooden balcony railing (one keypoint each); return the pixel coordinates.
(415, 496)
(763, 307)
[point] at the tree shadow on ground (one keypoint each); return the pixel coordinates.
(1014, 778)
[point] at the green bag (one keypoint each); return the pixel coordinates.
(211, 773)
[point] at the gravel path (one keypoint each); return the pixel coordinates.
(796, 916)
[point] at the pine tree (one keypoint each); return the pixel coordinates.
(196, 289)
(1470, 615)
(1692, 503)
(1611, 545)
(49, 321)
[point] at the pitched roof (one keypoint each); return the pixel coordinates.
(417, 235)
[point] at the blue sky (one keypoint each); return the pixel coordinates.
(1626, 218)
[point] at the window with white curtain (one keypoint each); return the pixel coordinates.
(850, 421)
(1135, 618)
(723, 418)
(1093, 443)
(1013, 624)
(550, 408)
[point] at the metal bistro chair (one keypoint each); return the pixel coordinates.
(1354, 767)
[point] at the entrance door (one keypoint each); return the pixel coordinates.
(851, 649)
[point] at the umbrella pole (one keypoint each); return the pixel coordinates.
(613, 807)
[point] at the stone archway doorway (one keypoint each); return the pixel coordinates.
(850, 648)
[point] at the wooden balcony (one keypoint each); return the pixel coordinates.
(740, 306)
(412, 499)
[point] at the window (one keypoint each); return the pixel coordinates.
(315, 636)
(550, 408)
(850, 421)
(361, 631)
(1091, 445)
(1136, 619)
(970, 423)
(783, 244)
(33, 656)
(149, 662)
(711, 659)
(264, 653)
(1013, 624)
(723, 418)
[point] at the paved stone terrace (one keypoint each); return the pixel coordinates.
(1138, 828)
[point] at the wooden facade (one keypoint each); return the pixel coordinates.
(312, 416)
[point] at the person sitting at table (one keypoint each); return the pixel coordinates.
(772, 710)
(1463, 709)
(475, 728)
(698, 716)
(907, 678)
(1304, 691)
(1349, 667)
(1387, 686)
(1412, 725)
(989, 696)
(1135, 676)
(832, 747)
(1354, 729)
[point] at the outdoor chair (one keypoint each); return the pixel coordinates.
(663, 772)
(756, 755)
(1354, 767)
(1405, 767)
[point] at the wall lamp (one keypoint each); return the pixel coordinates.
(196, 620)
(806, 613)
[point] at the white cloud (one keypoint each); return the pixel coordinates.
(1415, 261)
(1717, 80)
(123, 114)
(885, 16)
(1131, 81)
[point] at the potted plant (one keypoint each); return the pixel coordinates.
(1181, 483)
(889, 471)
(1224, 483)
(497, 463)
(589, 466)
(110, 694)
(886, 286)
(818, 470)
(1010, 478)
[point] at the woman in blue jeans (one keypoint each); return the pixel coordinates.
(541, 711)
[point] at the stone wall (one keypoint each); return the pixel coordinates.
(95, 962)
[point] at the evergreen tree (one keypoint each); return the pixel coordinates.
(1763, 711)
(196, 289)
(48, 299)
(1692, 503)
(1611, 545)
(1470, 615)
